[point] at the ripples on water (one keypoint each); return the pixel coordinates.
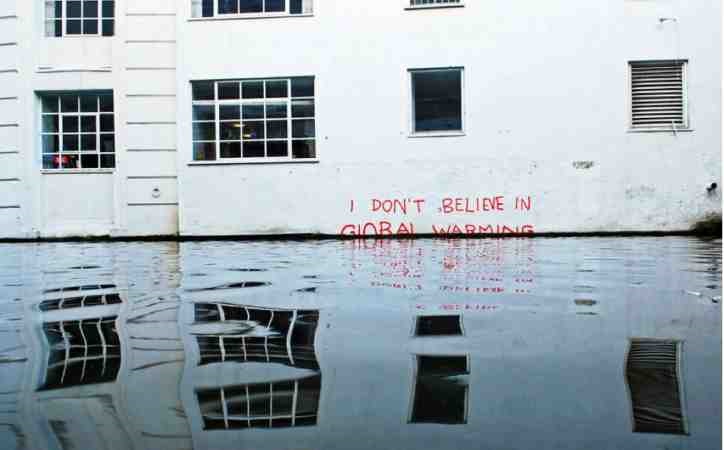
(502, 344)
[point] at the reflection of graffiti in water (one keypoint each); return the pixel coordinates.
(280, 404)
(256, 334)
(81, 352)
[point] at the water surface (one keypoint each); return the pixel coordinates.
(596, 343)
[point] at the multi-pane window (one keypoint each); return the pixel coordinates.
(658, 95)
(247, 120)
(441, 390)
(212, 8)
(82, 352)
(437, 104)
(78, 17)
(288, 335)
(79, 302)
(281, 404)
(77, 130)
(433, 3)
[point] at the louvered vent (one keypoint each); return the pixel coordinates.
(416, 3)
(652, 373)
(657, 95)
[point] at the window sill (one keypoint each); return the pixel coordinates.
(660, 130)
(247, 17)
(76, 171)
(412, 8)
(256, 162)
(436, 134)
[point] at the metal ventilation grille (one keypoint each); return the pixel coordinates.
(434, 2)
(657, 94)
(652, 373)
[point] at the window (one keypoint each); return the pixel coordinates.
(254, 120)
(658, 95)
(652, 374)
(434, 3)
(77, 17)
(225, 8)
(79, 302)
(77, 131)
(437, 104)
(281, 404)
(82, 352)
(441, 390)
(438, 326)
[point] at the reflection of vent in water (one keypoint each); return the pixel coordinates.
(242, 285)
(79, 302)
(652, 373)
(441, 390)
(438, 326)
(282, 404)
(87, 287)
(290, 338)
(82, 352)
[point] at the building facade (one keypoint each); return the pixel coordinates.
(212, 118)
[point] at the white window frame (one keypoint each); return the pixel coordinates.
(435, 4)
(263, 101)
(64, 20)
(686, 127)
(251, 15)
(411, 110)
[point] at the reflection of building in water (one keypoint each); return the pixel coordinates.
(652, 374)
(441, 390)
(263, 335)
(81, 352)
(279, 404)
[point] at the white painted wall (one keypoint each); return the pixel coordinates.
(545, 87)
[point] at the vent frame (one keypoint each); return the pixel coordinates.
(636, 121)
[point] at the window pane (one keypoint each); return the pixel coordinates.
(88, 103)
(253, 111)
(51, 143)
(253, 149)
(253, 89)
(70, 142)
(203, 90)
(228, 91)
(276, 88)
(72, 8)
(108, 27)
(89, 161)
(276, 129)
(229, 112)
(303, 149)
(303, 87)
(437, 100)
(251, 6)
(303, 108)
(90, 9)
(207, 8)
(277, 148)
(106, 122)
(51, 162)
(108, 161)
(50, 104)
(274, 5)
(87, 142)
(303, 128)
(231, 149)
(276, 110)
(50, 124)
(69, 103)
(70, 162)
(204, 151)
(230, 131)
(90, 26)
(106, 102)
(254, 130)
(204, 131)
(228, 7)
(73, 26)
(88, 124)
(207, 112)
(108, 8)
(108, 143)
(295, 6)
(70, 124)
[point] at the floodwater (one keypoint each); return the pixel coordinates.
(580, 344)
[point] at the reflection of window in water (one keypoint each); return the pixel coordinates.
(80, 302)
(652, 373)
(87, 287)
(82, 352)
(438, 326)
(289, 335)
(441, 390)
(281, 404)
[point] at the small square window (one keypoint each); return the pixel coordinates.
(437, 104)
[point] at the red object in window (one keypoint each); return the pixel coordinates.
(57, 160)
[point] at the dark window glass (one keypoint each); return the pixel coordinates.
(73, 26)
(108, 143)
(51, 162)
(90, 26)
(276, 110)
(70, 142)
(90, 9)
(228, 7)
(207, 8)
(231, 149)
(276, 129)
(253, 149)
(303, 87)
(73, 9)
(251, 6)
(277, 148)
(204, 131)
(88, 142)
(106, 102)
(229, 91)
(438, 326)
(51, 143)
(108, 161)
(253, 111)
(207, 112)
(276, 88)
(50, 124)
(70, 124)
(229, 112)
(50, 104)
(230, 131)
(89, 161)
(303, 149)
(88, 103)
(108, 8)
(295, 6)
(303, 108)
(274, 5)
(88, 124)
(303, 128)
(437, 100)
(106, 122)
(253, 89)
(203, 90)
(254, 130)
(69, 103)
(108, 28)
(204, 151)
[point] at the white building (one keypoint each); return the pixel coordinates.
(253, 117)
